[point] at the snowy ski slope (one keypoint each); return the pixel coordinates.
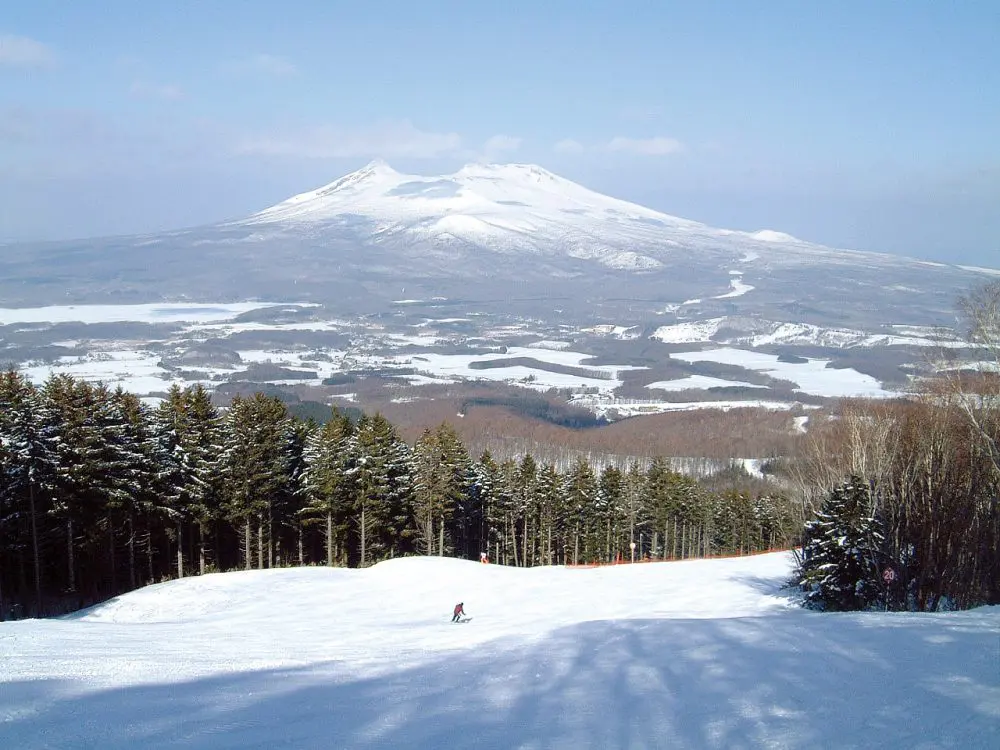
(695, 654)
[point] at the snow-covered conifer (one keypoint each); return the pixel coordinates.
(839, 568)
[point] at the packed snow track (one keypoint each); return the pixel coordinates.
(695, 654)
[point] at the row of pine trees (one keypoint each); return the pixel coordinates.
(101, 493)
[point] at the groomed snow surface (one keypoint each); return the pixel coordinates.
(695, 654)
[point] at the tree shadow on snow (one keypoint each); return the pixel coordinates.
(791, 680)
(767, 586)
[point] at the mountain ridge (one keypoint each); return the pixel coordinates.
(519, 207)
(475, 190)
(509, 239)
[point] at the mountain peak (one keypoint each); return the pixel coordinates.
(530, 172)
(377, 167)
(374, 173)
(507, 208)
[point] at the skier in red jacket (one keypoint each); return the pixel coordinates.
(459, 611)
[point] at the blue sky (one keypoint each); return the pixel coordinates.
(873, 125)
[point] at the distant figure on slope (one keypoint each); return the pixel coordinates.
(459, 611)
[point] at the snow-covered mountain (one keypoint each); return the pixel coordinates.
(511, 239)
(526, 211)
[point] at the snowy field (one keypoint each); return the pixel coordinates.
(696, 654)
(700, 382)
(757, 333)
(447, 367)
(140, 371)
(161, 312)
(424, 355)
(812, 376)
(623, 407)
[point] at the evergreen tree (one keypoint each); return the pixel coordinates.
(256, 468)
(735, 524)
(328, 481)
(188, 445)
(526, 504)
(26, 465)
(383, 500)
(637, 508)
(72, 436)
(507, 511)
(203, 447)
(551, 513)
(174, 474)
(581, 497)
(135, 499)
(487, 492)
(767, 511)
(675, 504)
(610, 509)
(460, 479)
(125, 474)
(839, 567)
(442, 479)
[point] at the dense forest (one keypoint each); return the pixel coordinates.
(100, 494)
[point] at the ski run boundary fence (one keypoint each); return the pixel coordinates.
(625, 560)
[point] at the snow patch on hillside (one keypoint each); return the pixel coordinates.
(690, 332)
(754, 332)
(736, 289)
(549, 344)
(620, 408)
(699, 381)
(980, 269)
(135, 370)
(615, 331)
(770, 235)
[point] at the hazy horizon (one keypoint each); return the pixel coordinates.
(861, 126)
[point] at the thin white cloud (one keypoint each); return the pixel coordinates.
(168, 91)
(22, 52)
(385, 139)
(658, 146)
(568, 146)
(263, 65)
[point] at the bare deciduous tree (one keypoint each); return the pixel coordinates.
(976, 390)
